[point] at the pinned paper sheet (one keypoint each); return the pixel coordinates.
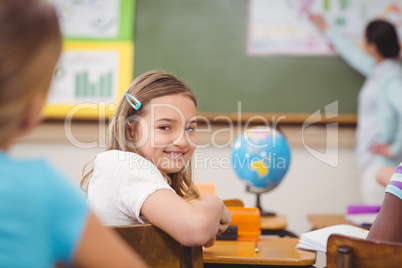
(90, 73)
(283, 27)
(95, 18)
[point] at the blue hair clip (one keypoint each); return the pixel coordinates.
(135, 106)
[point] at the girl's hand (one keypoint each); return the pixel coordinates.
(210, 243)
(226, 218)
(318, 21)
(381, 149)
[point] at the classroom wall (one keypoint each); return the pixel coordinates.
(311, 186)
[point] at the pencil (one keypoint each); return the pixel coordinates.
(257, 249)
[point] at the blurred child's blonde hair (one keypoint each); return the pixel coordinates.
(145, 88)
(29, 49)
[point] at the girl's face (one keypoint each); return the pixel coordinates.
(371, 49)
(367, 46)
(166, 133)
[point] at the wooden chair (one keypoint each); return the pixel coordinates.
(158, 249)
(233, 203)
(206, 188)
(348, 252)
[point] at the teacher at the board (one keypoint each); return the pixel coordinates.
(379, 126)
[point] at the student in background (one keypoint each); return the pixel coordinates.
(145, 174)
(379, 128)
(43, 219)
(387, 225)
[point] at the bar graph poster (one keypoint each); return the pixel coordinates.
(283, 26)
(90, 73)
(96, 19)
(85, 76)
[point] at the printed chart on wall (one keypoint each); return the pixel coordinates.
(96, 65)
(89, 18)
(283, 26)
(91, 73)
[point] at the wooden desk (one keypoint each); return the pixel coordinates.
(275, 225)
(277, 222)
(272, 252)
(319, 221)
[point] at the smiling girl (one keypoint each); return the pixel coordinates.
(145, 174)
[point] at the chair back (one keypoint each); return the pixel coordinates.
(347, 252)
(233, 202)
(158, 249)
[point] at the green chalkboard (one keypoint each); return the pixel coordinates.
(203, 42)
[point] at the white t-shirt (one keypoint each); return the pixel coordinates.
(120, 184)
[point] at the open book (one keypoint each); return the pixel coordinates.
(317, 240)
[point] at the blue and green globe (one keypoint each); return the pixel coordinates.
(261, 157)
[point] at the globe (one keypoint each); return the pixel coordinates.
(260, 157)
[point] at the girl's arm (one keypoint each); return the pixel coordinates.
(192, 224)
(101, 247)
(387, 225)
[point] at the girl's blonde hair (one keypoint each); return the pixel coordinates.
(145, 88)
(29, 49)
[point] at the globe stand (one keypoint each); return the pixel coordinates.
(258, 192)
